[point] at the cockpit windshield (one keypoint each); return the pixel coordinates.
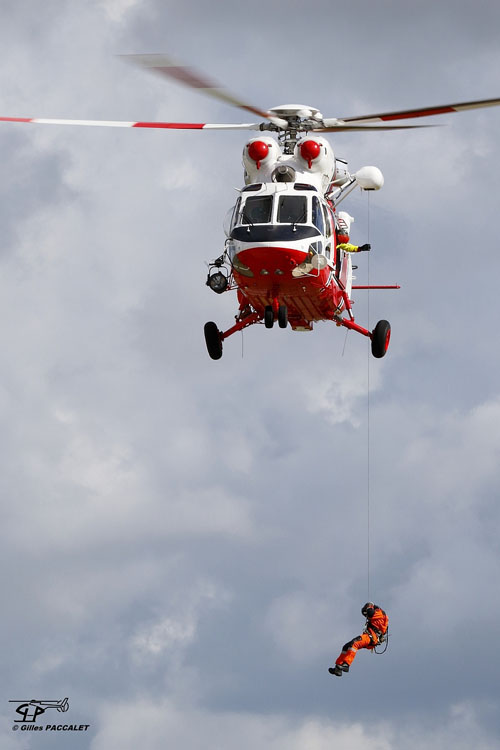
(292, 209)
(281, 217)
(257, 210)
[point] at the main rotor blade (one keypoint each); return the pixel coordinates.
(165, 66)
(123, 124)
(353, 128)
(422, 111)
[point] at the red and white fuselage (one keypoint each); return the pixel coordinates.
(282, 250)
(281, 235)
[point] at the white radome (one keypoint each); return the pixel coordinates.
(369, 178)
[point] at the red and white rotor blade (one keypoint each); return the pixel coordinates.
(421, 112)
(349, 128)
(164, 65)
(123, 124)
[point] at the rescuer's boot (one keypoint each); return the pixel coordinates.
(336, 670)
(344, 666)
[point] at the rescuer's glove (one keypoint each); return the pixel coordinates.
(364, 248)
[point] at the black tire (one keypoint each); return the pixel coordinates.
(381, 336)
(282, 316)
(269, 316)
(213, 340)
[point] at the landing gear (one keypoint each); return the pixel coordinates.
(213, 340)
(282, 316)
(381, 335)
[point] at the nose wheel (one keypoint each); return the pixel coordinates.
(282, 316)
(269, 316)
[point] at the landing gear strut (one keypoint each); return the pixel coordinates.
(380, 336)
(214, 337)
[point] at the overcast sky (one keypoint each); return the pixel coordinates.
(184, 542)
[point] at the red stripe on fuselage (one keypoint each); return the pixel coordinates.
(16, 119)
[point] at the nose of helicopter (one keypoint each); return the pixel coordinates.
(262, 261)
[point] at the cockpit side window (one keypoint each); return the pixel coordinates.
(231, 218)
(317, 215)
(236, 212)
(292, 209)
(328, 226)
(257, 210)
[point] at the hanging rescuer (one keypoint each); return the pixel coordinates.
(375, 632)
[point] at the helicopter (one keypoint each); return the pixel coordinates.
(287, 253)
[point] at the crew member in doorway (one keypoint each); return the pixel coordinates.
(344, 222)
(374, 633)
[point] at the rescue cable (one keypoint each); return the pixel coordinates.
(384, 639)
(368, 415)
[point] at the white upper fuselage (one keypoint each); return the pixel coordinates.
(291, 214)
(312, 162)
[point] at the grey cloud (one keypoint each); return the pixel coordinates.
(135, 470)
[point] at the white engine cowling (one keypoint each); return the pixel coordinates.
(315, 157)
(259, 159)
(313, 161)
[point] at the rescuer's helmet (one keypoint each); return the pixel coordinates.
(368, 609)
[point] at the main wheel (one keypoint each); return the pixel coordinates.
(282, 316)
(269, 316)
(213, 340)
(381, 335)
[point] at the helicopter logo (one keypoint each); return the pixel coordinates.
(30, 710)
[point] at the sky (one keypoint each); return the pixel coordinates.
(184, 543)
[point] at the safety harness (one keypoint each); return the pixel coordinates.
(380, 638)
(383, 639)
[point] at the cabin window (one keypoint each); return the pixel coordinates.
(316, 248)
(317, 215)
(328, 226)
(292, 209)
(257, 210)
(231, 218)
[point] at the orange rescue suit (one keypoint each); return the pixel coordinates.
(376, 626)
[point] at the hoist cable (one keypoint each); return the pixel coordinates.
(368, 416)
(384, 643)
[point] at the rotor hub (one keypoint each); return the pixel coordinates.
(300, 118)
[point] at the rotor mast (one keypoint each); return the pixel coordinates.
(297, 119)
